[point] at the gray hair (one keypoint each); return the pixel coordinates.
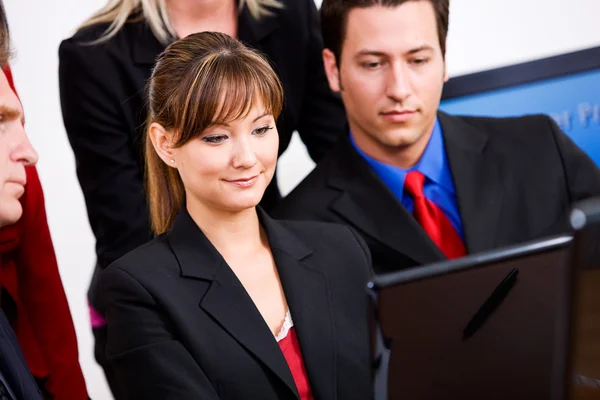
(5, 50)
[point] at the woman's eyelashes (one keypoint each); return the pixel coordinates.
(216, 139)
(262, 130)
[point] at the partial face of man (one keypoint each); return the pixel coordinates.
(390, 75)
(15, 153)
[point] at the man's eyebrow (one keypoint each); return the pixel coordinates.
(377, 53)
(10, 113)
(419, 49)
(374, 53)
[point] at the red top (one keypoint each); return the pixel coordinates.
(291, 351)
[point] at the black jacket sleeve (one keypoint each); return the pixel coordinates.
(108, 160)
(148, 361)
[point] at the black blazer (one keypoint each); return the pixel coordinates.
(181, 326)
(515, 179)
(103, 105)
(16, 381)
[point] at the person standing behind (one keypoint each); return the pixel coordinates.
(227, 303)
(103, 72)
(418, 184)
(31, 291)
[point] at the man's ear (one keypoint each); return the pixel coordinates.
(446, 76)
(332, 71)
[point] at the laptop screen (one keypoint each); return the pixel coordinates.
(437, 351)
(586, 313)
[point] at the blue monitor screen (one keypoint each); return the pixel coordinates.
(572, 100)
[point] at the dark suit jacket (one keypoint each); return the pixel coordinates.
(181, 326)
(103, 105)
(515, 179)
(14, 374)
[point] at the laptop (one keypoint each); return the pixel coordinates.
(584, 356)
(488, 326)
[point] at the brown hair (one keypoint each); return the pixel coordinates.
(334, 17)
(4, 38)
(204, 79)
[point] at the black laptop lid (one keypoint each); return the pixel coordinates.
(585, 368)
(438, 350)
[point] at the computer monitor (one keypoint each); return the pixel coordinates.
(565, 87)
(488, 326)
(585, 334)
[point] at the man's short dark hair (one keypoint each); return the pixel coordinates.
(334, 18)
(4, 38)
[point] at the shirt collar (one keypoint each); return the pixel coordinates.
(433, 164)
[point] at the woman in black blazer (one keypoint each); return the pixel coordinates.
(227, 303)
(103, 102)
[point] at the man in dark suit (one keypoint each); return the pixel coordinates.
(418, 184)
(16, 381)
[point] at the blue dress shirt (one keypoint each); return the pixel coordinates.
(439, 185)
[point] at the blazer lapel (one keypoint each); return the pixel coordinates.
(367, 204)
(476, 171)
(252, 31)
(306, 290)
(226, 300)
(230, 305)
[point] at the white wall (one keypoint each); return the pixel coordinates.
(483, 34)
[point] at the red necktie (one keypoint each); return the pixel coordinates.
(432, 219)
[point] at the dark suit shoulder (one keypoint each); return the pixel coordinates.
(84, 63)
(518, 138)
(332, 240)
(89, 33)
(530, 120)
(88, 42)
(523, 130)
(149, 259)
(85, 41)
(314, 232)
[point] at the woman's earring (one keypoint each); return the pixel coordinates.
(172, 161)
